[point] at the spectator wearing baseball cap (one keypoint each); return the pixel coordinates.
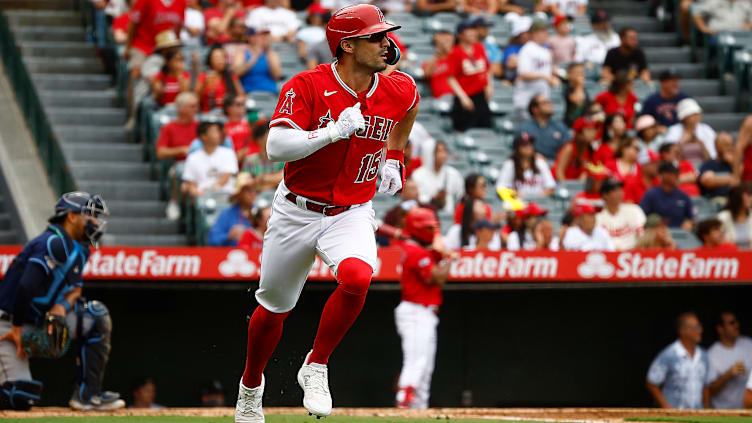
(258, 67)
(523, 238)
(669, 152)
(627, 57)
(562, 44)
(718, 176)
(668, 201)
(656, 234)
(573, 156)
(591, 195)
(436, 70)
(584, 235)
(696, 139)
(534, 69)
(525, 172)
(510, 56)
(592, 48)
(710, 233)
(486, 232)
(493, 51)
(662, 105)
(623, 221)
(548, 134)
(470, 79)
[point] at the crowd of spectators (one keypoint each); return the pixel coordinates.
(642, 165)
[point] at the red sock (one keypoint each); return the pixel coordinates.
(264, 331)
(342, 308)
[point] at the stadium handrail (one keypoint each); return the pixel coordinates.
(50, 151)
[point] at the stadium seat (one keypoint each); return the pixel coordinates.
(685, 240)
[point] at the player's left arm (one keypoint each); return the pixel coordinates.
(393, 172)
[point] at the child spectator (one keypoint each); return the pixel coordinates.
(172, 80)
(573, 156)
(562, 44)
(218, 81)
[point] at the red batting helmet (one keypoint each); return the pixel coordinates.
(421, 224)
(355, 21)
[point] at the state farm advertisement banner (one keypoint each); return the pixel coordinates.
(232, 264)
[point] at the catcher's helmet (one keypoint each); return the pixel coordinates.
(421, 224)
(84, 203)
(356, 21)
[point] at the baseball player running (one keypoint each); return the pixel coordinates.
(331, 126)
(424, 272)
(41, 309)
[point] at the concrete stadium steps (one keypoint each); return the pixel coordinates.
(673, 54)
(640, 23)
(684, 69)
(716, 104)
(698, 87)
(616, 8)
(729, 122)
(57, 48)
(658, 39)
(88, 119)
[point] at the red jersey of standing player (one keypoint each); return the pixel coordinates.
(417, 267)
(342, 173)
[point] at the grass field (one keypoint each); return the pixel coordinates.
(698, 419)
(269, 419)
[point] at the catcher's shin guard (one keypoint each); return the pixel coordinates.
(19, 394)
(94, 329)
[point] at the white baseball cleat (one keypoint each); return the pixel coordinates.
(314, 380)
(248, 409)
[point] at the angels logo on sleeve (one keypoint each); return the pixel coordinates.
(286, 107)
(324, 120)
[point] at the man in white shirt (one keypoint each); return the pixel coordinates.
(212, 167)
(584, 235)
(591, 49)
(691, 126)
(623, 222)
(730, 363)
(440, 184)
(534, 69)
(281, 22)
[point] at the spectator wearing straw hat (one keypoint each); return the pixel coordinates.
(234, 220)
(584, 235)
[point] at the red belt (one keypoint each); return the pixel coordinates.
(324, 209)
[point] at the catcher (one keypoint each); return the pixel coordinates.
(41, 309)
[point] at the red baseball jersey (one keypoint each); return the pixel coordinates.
(470, 71)
(152, 17)
(344, 172)
(417, 264)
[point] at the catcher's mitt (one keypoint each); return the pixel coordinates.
(50, 340)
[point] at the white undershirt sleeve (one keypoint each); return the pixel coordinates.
(286, 144)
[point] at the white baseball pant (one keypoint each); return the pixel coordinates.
(416, 325)
(295, 235)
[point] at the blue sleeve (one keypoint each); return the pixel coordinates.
(228, 143)
(220, 231)
(28, 286)
(648, 108)
(195, 145)
(646, 203)
(77, 274)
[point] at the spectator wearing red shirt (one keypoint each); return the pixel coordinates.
(573, 156)
(171, 80)
(710, 232)
(174, 142)
(596, 175)
(619, 98)
(238, 128)
(744, 148)
(217, 20)
(218, 81)
(470, 80)
(626, 169)
(120, 28)
(253, 237)
(437, 69)
(671, 152)
(614, 130)
(149, 18)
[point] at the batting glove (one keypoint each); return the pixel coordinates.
(393, 173)
(349, 121)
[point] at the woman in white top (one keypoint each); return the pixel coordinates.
(525, 172)
(736, 219)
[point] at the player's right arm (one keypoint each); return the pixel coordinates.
(288, 141)
(440, 272)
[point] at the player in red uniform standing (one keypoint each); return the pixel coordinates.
(330, 126)
(424, 271)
